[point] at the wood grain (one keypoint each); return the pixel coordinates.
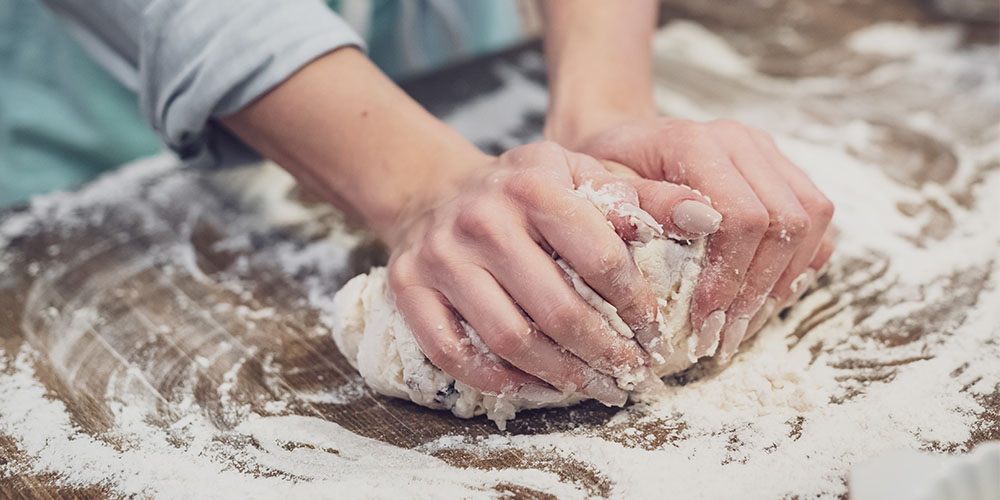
(189, 326)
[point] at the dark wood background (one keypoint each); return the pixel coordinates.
(106, 266)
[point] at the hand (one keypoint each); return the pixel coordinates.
(774, 234)
(480, 248)
(472, 235)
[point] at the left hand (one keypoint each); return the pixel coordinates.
(774, 236)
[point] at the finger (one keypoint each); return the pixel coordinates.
(772, 306)
(817, 207)
(506, 333)
(805, 280)
(788, 226)
(683, 213)
(537, 284)
(825, 250)
(732, 247)
(574, 228)
(437, 332)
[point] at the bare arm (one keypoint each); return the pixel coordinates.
(469, 233)
(352, 136)
(600, 65)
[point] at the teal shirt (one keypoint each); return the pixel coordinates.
(64, 119)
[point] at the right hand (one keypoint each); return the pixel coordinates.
(774, 236)
(480, 248)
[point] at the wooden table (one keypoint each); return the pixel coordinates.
(181, 284)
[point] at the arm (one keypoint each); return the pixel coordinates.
(471, 235)
(466, 230)
(191, 61)
(600, 65)
(773, 237)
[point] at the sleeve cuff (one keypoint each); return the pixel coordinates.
(200, 60)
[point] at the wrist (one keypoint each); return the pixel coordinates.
(351, 136)
(571, 126)
(438, 177)
(599, 58)
(591, 91)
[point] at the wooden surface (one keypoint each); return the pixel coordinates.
(161, 294)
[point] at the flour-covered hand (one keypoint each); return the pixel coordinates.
(481, 249)
(773, 238)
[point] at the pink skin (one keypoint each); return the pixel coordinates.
(774, 218)
(471, 235)
(482, 251)
(773, 305)
(601, 103)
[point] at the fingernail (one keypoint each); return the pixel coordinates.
(536, 393)
(823, 269)
(708, 336)
(647, 382)
(800, 285)
(605, 390)
(651, 339)
(733, 336)
(762, 316)
(696, 217)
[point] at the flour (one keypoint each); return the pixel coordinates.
(311, 457)
(897, 348)
(347, 393)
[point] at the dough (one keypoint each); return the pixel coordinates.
(373, 336)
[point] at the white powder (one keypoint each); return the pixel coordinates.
(314, 457)
(896, 350)
(344, 394)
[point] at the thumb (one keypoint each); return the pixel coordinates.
(684, 213)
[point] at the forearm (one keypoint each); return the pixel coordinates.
(352, 136)
(600, 64)
(199, 59)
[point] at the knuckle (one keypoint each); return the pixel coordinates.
(479, 222)
(438, 249)
(725, 125)
(529, 188)
(761, 135)
(790, 225)
(688, 132)
(443, 354)
(401, 273)
(508, 343)
(732, 129)
(753, 220)
(535, 153)
(615, 355)
(821, 206)
(562, 313)
(642, 304)
(546, 149)
(606, 264)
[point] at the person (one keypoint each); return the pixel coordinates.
(472, 235)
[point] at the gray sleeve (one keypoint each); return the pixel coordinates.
(194, 60)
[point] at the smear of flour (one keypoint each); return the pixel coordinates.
(833, 383)
(302, 457)
(347, 393)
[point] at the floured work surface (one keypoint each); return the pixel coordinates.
(164, 331)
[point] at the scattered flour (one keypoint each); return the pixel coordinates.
(898, 349)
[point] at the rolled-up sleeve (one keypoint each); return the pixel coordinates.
(194, 60)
